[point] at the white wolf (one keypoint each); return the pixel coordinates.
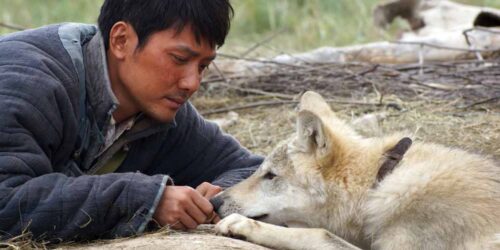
(324, 189)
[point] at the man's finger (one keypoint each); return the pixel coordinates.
(203, 204)
(211, 192)
(188, 222)
(216, 219)
(196, 213)
(202, 188)
(208, 190)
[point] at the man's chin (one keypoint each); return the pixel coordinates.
(164, 117)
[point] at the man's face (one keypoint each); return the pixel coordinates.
(159, 77)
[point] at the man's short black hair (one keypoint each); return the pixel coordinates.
(209, 19)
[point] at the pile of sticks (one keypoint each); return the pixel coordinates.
(464, 83)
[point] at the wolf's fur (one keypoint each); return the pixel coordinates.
(325, 177)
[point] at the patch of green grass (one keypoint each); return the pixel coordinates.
(296, 25)
(306, 24)
(34, 13)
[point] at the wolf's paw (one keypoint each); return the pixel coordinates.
(236, 226)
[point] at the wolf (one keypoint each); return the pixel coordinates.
(327, 187)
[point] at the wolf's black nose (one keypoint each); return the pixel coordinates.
(217, 202)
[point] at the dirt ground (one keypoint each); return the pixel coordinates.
(201, 239)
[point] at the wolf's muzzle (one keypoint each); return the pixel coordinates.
(217, 202)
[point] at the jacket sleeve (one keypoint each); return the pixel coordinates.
(196, 150)
(34, 197)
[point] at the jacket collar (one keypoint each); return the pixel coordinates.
(99, 93)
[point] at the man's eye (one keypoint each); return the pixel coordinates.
(203, 67)
(179, 59)
(269, 176)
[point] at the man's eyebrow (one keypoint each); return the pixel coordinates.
(187, 50)
(192, 53)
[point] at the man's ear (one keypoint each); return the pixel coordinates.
(122, 39)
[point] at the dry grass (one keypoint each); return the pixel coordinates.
(260, 129)
(457, 105)
(22, 242)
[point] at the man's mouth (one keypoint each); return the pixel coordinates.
(175, 102)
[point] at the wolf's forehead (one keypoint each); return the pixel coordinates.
(279, 158)
(279, 154)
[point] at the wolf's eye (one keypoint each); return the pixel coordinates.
(269, 176)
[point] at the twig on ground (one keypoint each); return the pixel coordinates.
(480, 102)
(362, 73)
(272, 103)
(258, 91)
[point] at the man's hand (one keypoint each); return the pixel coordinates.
(182, 207)
(208, 191)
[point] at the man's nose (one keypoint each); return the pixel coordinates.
(190, 82)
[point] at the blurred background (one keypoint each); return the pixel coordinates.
(281, 25)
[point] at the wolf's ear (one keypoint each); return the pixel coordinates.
(310, 128)
(311, 134)
(313, 101)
